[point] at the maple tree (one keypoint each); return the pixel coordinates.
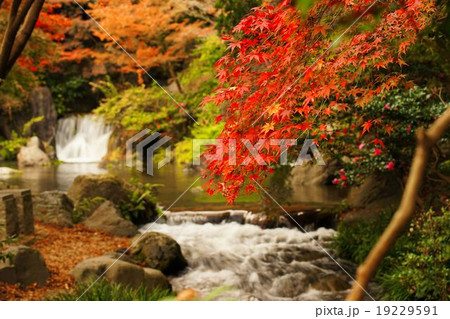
(287, 72)
(152, 31)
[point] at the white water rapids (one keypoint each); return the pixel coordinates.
(82, 139)
(257, 264)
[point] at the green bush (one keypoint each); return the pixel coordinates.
(141, 205)
(389, 144)
(85, 207)
(422, 271)
(104, 291)
(416, 268)
(10, 148)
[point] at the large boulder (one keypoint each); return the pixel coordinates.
(120, 272)
(159, 251)
(53, 207)
(26, 266)
(32, 155)
(93, 186)
(107, 218)
(377, 191)
(87, 191)
(42, 105)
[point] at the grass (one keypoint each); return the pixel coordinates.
(104, 291)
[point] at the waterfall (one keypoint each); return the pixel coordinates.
(82, 139)
(256, 263)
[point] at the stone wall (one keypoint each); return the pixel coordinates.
(16, 213)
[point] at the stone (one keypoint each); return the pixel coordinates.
(120, 272)
(159, 251)
(6, 171)
(377, 191)
(7, 274)
(108, 219)
(31, 154)
(42, 105)
(25, 209)
(53, 207)
(187, 295)
(331, 283)
(9, 217)
(28, 264)
(94, 186)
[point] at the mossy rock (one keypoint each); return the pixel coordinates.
(159, 251)
(92, 186)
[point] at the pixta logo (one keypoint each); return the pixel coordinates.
(145, 146)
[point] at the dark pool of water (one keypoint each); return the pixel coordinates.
(174, 180)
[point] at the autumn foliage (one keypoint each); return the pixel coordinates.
(155, 33)
(287, 73)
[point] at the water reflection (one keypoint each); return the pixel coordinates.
(173, 180)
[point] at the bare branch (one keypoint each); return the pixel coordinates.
(25, 32)
(22, 17)
(425, 141)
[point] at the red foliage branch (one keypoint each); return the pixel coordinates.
(285, 73)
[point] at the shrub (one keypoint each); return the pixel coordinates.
(10, 148)
(104, 291)
(423, 268)
(85, 207)
(417, 267)
(389, 142)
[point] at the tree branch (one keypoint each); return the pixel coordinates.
(25, 32)
(425, 141)
(29, 12)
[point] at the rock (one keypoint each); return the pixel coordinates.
(377, 191)
(121, 272)
(28, 266)
(7, 274)
(331, 283)
(312, 174)
(6, 172)
(92, 186)
(53, 207)
(24, 209)
(42, 105)
(9, 216)
(118, 255)
(159, 251)
(32, 155)
(107, 218)
(187, 295)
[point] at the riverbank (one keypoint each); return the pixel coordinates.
(62, 249)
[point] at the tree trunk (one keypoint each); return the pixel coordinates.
(23, 16)
(425, 141)
(174, 76)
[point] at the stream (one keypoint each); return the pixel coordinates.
(251, 263)
(225, 250)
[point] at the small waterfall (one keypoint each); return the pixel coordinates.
(256, 263)
(82, 139)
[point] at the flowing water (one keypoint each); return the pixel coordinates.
(224, 249)
(255, 263)
(82, 139)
